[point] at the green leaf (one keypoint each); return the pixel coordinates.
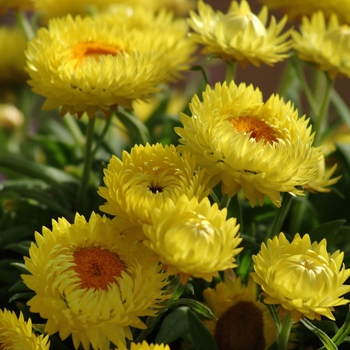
(194, 305)
(15, 234)
(326, 341)
(345, 151)
(327, 231)
(341, 107)
(174, 326)
(19, 286)
(201, 337)
(21, 267)
(343, 235)
(20, 247)
(17, 296)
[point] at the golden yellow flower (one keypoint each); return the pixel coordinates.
(16, 333)
(177, 47)
(263, 148)
(327, 45)
(12, 60)
(192, 238)
(91, 282)
(86, 64)
(145, 346)
(301, 276)
(243, 322)
(239, 35)
(295, 9)
(144, 178)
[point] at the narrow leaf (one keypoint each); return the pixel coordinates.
(326, 341)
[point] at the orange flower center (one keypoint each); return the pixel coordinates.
(92, 49)
(241, 327)
(256, 127)
(97, 267)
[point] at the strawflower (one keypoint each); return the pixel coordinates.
(243, 322)
(85, 64)
(324, 44)
(301, 277)
(145, 346)
(296, 9)
(146, 177)
(240, 35)
(263, 148)
(92, 282)
(16, 333)
(192, 238)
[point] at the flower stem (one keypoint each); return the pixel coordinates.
(88, 157)
(284, 331)
(231, 72)
(225, 201)
(276, 226)
(103, 134)
(71, 124)
(321, 117)
(24, 24)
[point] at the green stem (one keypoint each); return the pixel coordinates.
(308, 93)
(24, 24)
(284, 331)
(88, 158)
(276, 226)
(225, 201)
(231, 72)
(237, 210)
(76, 133)
(103, 133)
(320, 125)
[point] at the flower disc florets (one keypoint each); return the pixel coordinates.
(263, 148)
(301, 276)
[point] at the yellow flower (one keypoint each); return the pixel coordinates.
(302, 277)
(243, 321)
(192, 238)
(327, 45)
(11, 118)
(299, 8)
(16, 333)
(12, 60)
(91, 282)
(142, 180)
(86, 64)
(145, 346)
(173, 33)
(263, 148)
(240, 35)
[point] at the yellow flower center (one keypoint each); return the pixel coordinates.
(241, 327)
(97, 267)
(256, 127)
(239, 21)
(92, 49)
(340, 37)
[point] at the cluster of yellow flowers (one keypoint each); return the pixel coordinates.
(95, 279)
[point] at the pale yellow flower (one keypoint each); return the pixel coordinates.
(242, 142)
(240, 35)
(296, 9)
(144, 178)
(91, 282)
(11, 118)
(301, 276)
(192, 238)
(12, 59)
(16, 333)
(87, 64)
(327, 45)
(243, 322)
(145, 346)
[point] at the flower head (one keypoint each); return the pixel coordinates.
(296, 9)
(192, 238)
(16, 333)
(240, 35)
(263, 148)
(85, 64)
(241, 318)
(142, 181)
(91, 282)
(301, 276)
(327, 45)
(145, 346)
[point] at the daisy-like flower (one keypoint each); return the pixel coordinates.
(243, 322)
(16, 333)
(83, 64)
(145, 346)
(91, 282)
(263, 148)
(301, 276)
(177, 47)
(296, 9)
(239, 35)
(12, 60)
(144, 178)
(327, 45)
(192, 238)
